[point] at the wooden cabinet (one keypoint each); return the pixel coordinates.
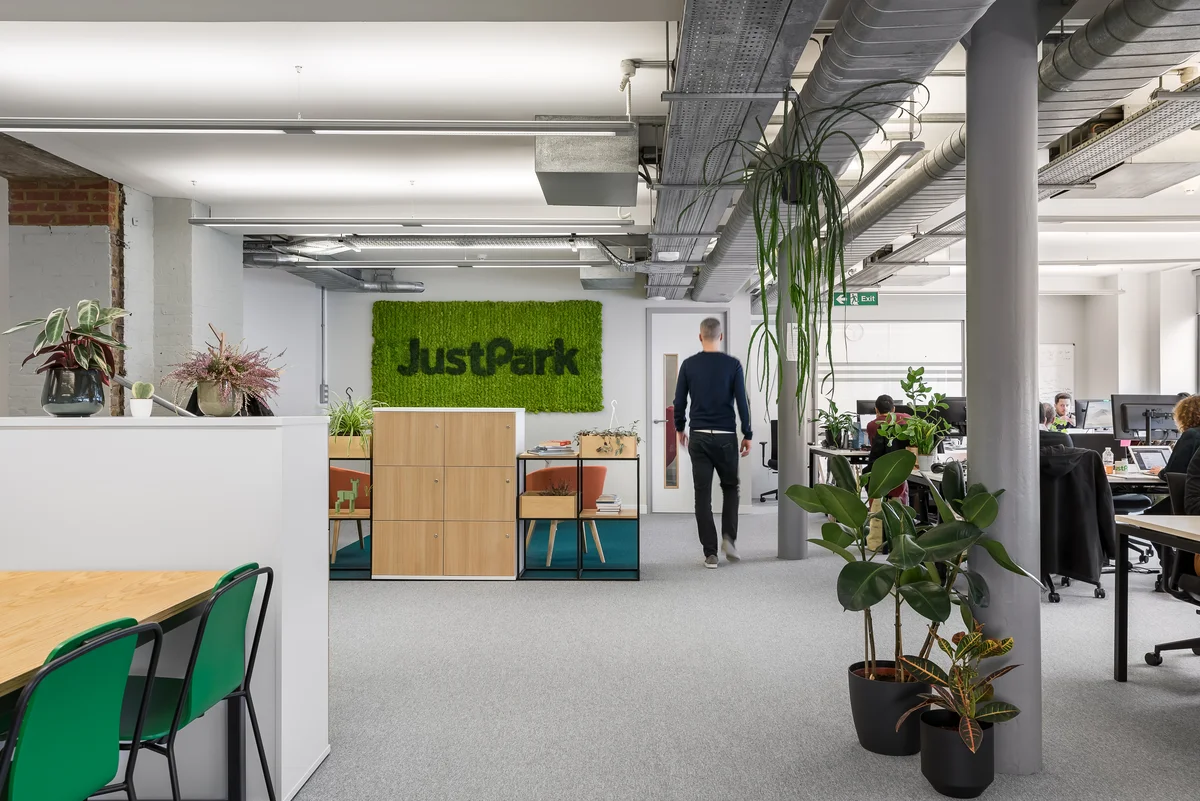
(481, 493)
(479, 549)
(406, 549)
(480, 438)
(409, 438)
(408, 493)
(444, 492)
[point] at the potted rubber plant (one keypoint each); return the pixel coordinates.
(80, 357)
(351, 423)
(921, 566)
(226, 377)
(923, 429)
(837, 425)
(957, 752)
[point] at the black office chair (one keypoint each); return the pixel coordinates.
(1181, 580)
(771, 464)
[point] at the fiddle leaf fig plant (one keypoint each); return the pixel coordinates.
(923, 566)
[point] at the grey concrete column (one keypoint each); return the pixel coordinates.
(6, 320)
(1002, 337)
(792, 443)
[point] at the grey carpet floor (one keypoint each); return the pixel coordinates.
(699, 684)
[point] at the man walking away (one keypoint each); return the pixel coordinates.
(715, 382)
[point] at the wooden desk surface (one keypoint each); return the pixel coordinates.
(40, 609)
(849, 454)
(1186, 527)
(346, 514)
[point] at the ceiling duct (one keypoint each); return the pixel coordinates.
(334, 280)
(1130, 44)
(752, 46)
(874, 41)
(1157, 122)
(586, 170)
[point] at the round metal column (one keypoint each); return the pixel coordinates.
(1002, 337)
(792, 444)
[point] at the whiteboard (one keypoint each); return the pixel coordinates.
(1056, 371)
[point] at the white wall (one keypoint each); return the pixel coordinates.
(50, 268)
(1099, 355)
(5, 320)
(1177, 331)
(1137, 343)
(139, 286)
(624, 360)
(216, 282)
(283, 312)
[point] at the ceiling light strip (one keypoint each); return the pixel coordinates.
(33, 125)
(400, 222)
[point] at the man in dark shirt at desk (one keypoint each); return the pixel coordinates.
(715, 383)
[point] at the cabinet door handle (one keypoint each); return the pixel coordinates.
(508, 426)
(506, 536)
(435, 535)
(508, 481)
(436, 480)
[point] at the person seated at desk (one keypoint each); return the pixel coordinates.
(885, 407)
(1187, 419)
(1047, 436)
(1063, 417)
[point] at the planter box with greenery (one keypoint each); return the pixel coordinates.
(923, 567)
(350, 426)
(549, 504)
(80, 359)
(615, 442)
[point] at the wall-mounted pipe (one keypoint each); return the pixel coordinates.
(296, 265)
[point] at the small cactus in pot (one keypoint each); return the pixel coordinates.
(142, 402)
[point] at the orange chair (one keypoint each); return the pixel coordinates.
(339, 479)
(593, 488)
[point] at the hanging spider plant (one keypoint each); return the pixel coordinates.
(799, 217)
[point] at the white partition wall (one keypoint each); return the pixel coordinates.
(192, 494)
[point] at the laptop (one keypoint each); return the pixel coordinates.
(1147, 457)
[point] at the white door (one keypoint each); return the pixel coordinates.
(673, 337)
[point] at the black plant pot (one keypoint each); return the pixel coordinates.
(876, 706)
(947, 762)
(794, 181)
(72, 393)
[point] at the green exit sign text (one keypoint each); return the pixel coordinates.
(856, 298)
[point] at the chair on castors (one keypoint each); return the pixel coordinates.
(217, 671)
(593, 488)
(1180, 575)
(771, 464)
(61, 741)
(340, 479)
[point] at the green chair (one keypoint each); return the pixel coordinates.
(218, 670)
(61, 742)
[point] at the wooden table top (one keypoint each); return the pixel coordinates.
(1186, 527)
(357, 514)
(40, 609)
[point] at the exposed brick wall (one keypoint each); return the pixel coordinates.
(64, 202)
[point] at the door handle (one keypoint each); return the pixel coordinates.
(658, 421)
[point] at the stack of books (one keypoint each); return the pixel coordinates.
(554, 447)
(608, 505)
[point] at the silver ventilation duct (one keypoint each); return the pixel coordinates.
(330, 246)
(874, 41)
(334, 280)
(1130, 44)
(749, 46)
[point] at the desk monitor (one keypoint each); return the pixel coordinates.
(903, 408)
(956, 414)
(1130, 415)
(865, 407)
(1094, 414)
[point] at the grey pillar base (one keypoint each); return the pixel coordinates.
(792, 444)
(1002, 337)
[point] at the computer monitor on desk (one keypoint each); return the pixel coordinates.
(955, 413)
(865, 407)
(1144, 417)
(1094, 414)
(1098, 442)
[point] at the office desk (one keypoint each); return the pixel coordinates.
(853, 456)
(40, 609)
(1174, 531)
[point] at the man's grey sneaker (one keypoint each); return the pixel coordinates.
(730, 550)
(711, 562)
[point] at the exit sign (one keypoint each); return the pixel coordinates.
(856, 298)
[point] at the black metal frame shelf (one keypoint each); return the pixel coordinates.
(578, 570)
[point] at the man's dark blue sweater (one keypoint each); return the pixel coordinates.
(715, 382)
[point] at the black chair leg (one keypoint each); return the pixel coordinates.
(769, 493)
(361, 546)
(1179, 645)
(173, 769)
(262, 752)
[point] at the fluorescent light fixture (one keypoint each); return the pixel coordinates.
(433, 264)
(326, 127)
(669, 255)
(877, 177)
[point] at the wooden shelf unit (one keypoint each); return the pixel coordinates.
(444, 493)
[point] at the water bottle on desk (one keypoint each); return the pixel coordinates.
(1108, 460)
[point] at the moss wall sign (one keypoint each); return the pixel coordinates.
(543, 357)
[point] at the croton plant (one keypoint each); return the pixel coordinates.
(82, 346)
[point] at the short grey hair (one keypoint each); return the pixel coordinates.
(710, 329)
